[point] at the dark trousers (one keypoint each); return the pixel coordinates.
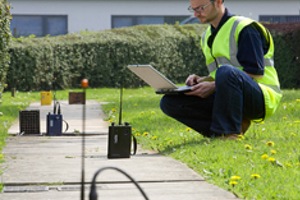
(236, 97)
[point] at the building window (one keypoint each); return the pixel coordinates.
(39, 25)
(123, 21)
(279, 18)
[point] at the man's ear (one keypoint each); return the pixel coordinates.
(218, 3)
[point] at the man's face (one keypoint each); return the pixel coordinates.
(204, 10)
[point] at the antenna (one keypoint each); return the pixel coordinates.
(84, 85)
(121, 104)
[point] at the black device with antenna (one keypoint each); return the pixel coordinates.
(120, 137)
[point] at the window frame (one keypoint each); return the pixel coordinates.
(44, 25)
(279, 18)
(166, 19)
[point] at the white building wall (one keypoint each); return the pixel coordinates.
(254, 8)
(96, 14)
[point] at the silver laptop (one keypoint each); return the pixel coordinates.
(157, 80)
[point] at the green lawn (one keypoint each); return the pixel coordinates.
(265, 164)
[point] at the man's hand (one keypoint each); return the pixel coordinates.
(202, 89)
(202, 86)
(192, 80)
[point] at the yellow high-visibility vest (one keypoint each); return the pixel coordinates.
(224, 52)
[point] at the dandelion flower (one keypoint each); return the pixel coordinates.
(255, 176)
(265, 156)
(154, 137)
(241, 137)
(138, 134)
(270, 143)
(188, 129)
(235, 178)
(272, 160)
(145, 133)
(273, 151)
(233, 183)
(247, 146)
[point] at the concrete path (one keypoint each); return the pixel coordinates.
(41, 167)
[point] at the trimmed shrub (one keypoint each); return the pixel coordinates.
(5, 35)
(61, 62)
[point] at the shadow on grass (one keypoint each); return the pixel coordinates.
(186, 145)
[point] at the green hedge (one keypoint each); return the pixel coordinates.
(5, 35)
(287, 53)
(61, 62)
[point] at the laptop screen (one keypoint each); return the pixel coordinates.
(152, 77)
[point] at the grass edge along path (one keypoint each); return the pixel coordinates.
(262, 165)
(9, 112)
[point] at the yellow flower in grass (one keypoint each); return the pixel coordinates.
(137, 134)
(113, 110)
(241, 137)
(188, 129)
(265, 156)
(272, 160)
(298, 100)
(233, 183)
(145, 134)
(248, 147)
(235, 178)
(273, 151)
(270, 144)
(255, 176)
(154, 137)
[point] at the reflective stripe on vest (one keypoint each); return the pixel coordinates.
(233, 49)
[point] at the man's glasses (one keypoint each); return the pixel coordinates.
(199, 9)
